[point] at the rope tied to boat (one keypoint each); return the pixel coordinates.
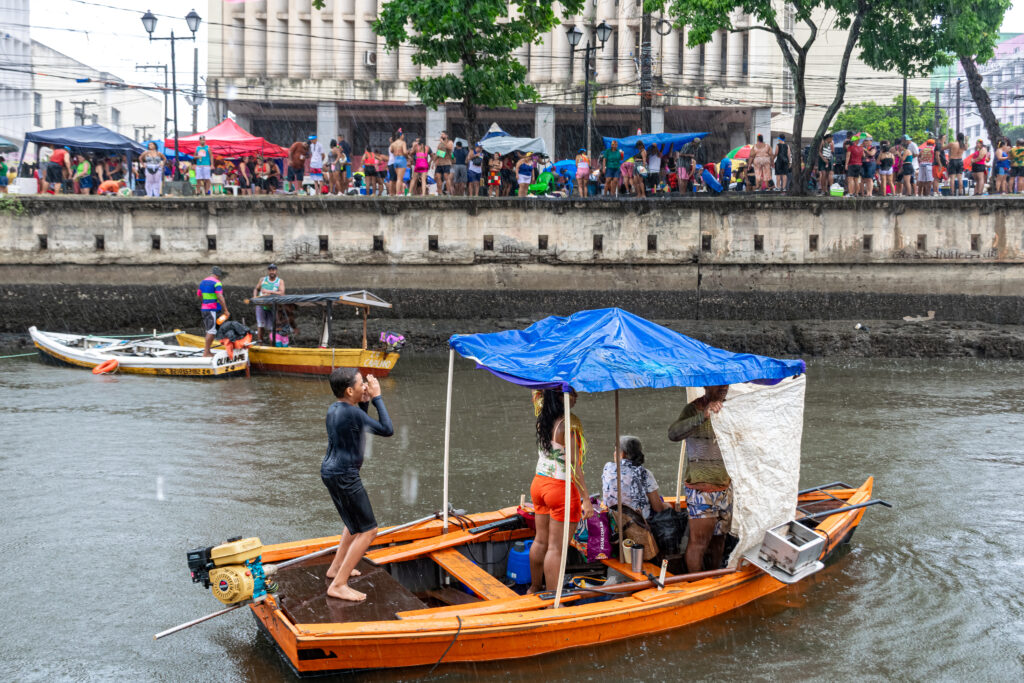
(445, 653)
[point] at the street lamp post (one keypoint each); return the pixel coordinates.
(604, 31)
(149, 23)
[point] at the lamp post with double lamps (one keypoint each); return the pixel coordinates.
(604, 31)
(149, 23)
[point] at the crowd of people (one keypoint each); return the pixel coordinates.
(856, 166)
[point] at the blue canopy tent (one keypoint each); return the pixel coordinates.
(604, 350)
(91, 138)
(665, 142)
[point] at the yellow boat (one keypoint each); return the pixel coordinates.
(321, 360)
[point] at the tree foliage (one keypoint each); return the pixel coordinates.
(479, 35)
(885, 121)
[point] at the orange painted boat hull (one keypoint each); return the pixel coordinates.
(321, 648)
(299, 360)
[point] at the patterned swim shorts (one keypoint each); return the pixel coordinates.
(711, 505)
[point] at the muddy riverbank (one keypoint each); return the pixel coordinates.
(805, 338)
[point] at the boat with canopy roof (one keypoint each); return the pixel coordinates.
(416, 615)
(321, 359)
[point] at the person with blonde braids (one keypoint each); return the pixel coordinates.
(548, 488)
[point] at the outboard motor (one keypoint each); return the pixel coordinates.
(232, 571)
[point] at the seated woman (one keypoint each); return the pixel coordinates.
(639, 490)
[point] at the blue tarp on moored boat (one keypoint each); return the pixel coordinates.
(666, 142)
(607, 349)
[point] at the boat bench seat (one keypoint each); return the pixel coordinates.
(520, 603)
(627, 569)
(473, 576)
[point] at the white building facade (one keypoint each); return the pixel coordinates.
(285, 69)
(60, 99)
(15, 71)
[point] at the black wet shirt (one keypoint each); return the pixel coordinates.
(347, 426)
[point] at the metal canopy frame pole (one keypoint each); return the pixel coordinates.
(365, 311)
(679, 475)
(618, 482)
(447, 438)
(567, 522)
(273, 329)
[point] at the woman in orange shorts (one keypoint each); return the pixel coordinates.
(548, 488)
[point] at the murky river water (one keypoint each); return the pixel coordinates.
(105, 482)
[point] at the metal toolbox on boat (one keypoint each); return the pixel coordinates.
(791, 547)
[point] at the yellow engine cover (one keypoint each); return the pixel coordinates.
(236, 552)
(231, 584)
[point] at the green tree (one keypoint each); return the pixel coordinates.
(934, 33)
(705, 17)
(478, 35)
(885, 121)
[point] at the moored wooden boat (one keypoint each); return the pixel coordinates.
(403, 623)
(147, 356)
(311, 360)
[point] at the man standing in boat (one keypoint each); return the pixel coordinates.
(348, 421)
(211, 303)
(708, 486)
(269, 285)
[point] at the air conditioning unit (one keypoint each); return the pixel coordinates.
(370, 58)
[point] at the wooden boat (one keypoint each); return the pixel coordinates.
(323, 359)
(414, 615)
(148, 356)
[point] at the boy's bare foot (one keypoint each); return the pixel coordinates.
(332, 572)
(346, 592)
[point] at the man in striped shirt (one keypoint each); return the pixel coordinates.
(211, 303)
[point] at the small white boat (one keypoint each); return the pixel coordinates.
(147, 356)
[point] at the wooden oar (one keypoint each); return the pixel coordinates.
(272, 568)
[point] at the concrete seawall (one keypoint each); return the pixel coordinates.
(98, 263)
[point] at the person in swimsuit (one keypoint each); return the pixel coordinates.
(400, 155)
(582, 171)
(1001, 166)
(547, 491)
(955, 151)
(761, 157)
(1017, 165)
(348, 422)
(868, 166)
(421, 164)
(525, 174)
(443, 165)
(979, 169)
(885, 164)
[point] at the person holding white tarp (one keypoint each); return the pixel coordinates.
(708, 485)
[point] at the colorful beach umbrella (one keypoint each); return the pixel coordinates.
(741, 152)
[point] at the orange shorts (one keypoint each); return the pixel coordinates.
(548, 496)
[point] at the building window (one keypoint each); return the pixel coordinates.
(58, 114)
(37, 109)
(682, 52)
(702, 54)
(615, 51)
(746, 54)
(115, 118)
(723, 61)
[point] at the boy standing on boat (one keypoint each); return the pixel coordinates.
(708, 486)
(268, 286)
(348, 421)
(211, 303)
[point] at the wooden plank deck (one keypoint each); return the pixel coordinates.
(474, 577)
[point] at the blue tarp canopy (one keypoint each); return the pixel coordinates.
(607, 349)
(666, 142)
(91, 138)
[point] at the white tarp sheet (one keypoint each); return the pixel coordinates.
(506, 144)
(759, 430)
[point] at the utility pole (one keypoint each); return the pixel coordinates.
(935, 131)
(904, 105)
(80, 106)
(646, 74)
(158, 67)
(958, 107)
(195, 89)
(144, 130)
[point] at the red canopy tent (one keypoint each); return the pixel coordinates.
(228, 139)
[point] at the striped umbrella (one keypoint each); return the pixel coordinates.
(741, 152)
